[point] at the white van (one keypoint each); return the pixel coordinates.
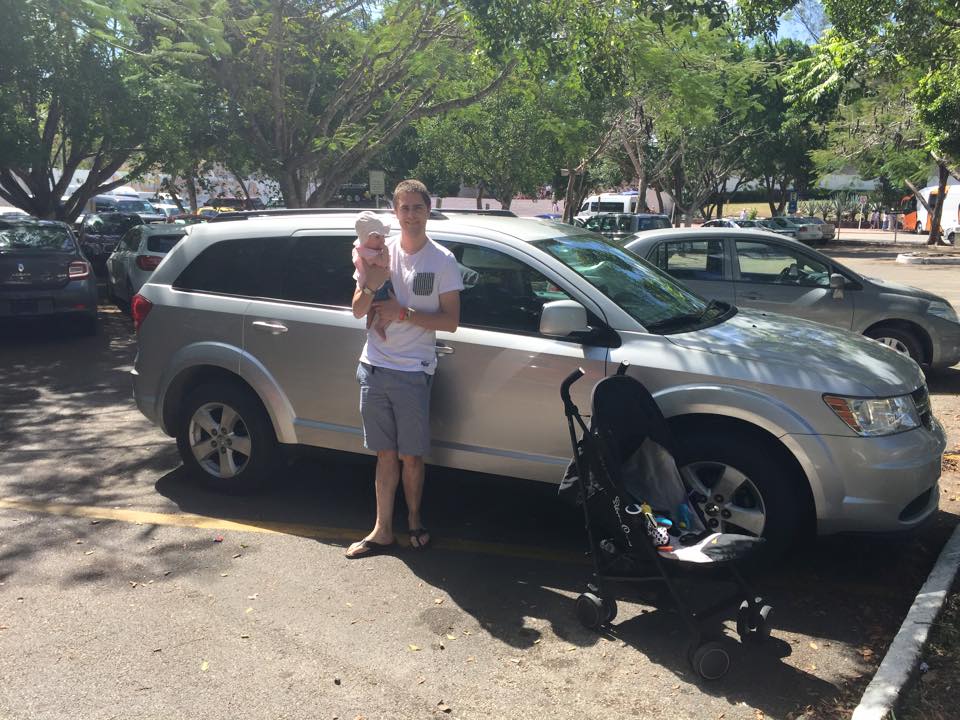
(625, 202)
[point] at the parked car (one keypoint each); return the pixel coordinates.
(137, 255)
(100, 233)
(166, 209)
(247, 342)
(619, 226)
(781, 228)
(627, 202)
(756, 270)
(827, 229)
(732, 223)
(805, 232)
(43, 273)
(125, 204)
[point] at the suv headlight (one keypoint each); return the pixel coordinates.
(943, 310)
(872, 417)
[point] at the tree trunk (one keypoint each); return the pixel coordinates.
(642, 188)
(506, 200)
(192, 192)
(243, 188)
(480, 189)
(290, 188)
(568, 199)
(943, 174)
(659, 200)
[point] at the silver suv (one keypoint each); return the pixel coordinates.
(247, 343)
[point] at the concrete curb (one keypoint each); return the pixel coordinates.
(898, 664)
(912, 259)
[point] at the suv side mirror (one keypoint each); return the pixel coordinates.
(563, 318)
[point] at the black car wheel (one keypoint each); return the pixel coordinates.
(740, 487)
(903, 341)
(225, 438)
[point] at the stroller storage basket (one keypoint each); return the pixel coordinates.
(639, 519)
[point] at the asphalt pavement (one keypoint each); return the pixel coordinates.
(125, 590)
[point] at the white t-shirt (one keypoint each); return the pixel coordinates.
(418, 282)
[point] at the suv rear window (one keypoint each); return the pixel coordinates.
(163, 243)
(233, 267)
(34, 237)
(654, 223)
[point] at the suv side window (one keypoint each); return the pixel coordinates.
(319, 270)
(693, 259)
(233, 267)
(500, 292)
(762, 262)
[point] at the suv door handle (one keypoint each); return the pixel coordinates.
(444, 349)
(274, 328)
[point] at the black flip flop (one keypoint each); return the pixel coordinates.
(417, 534)
(369, 548)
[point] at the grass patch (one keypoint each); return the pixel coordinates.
(936, 693)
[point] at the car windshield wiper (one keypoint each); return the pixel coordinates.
(714, 305)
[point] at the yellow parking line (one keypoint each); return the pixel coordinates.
(315, 532)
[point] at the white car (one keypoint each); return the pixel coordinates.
(137, 255)
(167, 209)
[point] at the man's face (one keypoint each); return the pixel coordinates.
(411, 211)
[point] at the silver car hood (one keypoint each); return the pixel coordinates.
(835, 360)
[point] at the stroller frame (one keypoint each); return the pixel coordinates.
(597, 607)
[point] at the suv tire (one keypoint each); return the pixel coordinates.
(759, 488)
(225, 438)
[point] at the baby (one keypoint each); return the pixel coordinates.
(370, 249)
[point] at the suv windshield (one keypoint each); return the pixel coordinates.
(649, 295)
(135, 206)
(35, 237)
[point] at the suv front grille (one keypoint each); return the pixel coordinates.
(921, 398)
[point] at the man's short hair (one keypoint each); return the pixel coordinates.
(413, 186)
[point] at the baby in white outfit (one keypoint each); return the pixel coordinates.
(370, 249)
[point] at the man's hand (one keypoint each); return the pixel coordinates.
(389, 309)
(377, 276)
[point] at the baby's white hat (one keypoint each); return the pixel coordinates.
(369, 222)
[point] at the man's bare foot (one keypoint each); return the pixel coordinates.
(369, 547)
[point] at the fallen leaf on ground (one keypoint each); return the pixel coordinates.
(438, 601)
(237, 555)
(204, 666)
(814, 646)
(88, 552)
(866, 652)
(218, 538)
(249, 610)
(252, 597)
(451, 637)
(421, 680)
(443, 707)
(224, 574)
(414, 648)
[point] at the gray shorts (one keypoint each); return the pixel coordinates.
(395, 409)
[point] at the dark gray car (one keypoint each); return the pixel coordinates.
(759, 270)
(42, 272)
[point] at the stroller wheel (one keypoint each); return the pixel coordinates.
(609, 607)
(590, 611)
(753, 625)
(710, 660)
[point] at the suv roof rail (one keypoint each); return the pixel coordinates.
(286, 212)
(474, 211)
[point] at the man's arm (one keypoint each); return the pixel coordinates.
(376, 277)
(446, 319)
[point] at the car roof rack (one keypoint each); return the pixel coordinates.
(292, 212)
(474, 211)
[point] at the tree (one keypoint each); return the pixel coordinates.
(84, 86)
(319, 88)
(878, 45)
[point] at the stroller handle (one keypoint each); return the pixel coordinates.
(568, 405)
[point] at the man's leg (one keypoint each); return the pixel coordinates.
(387, 479)
(413, 472)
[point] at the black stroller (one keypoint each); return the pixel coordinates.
(640, 520)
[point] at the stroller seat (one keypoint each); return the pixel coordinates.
(639, 516)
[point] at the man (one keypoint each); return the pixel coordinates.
(396, 372)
